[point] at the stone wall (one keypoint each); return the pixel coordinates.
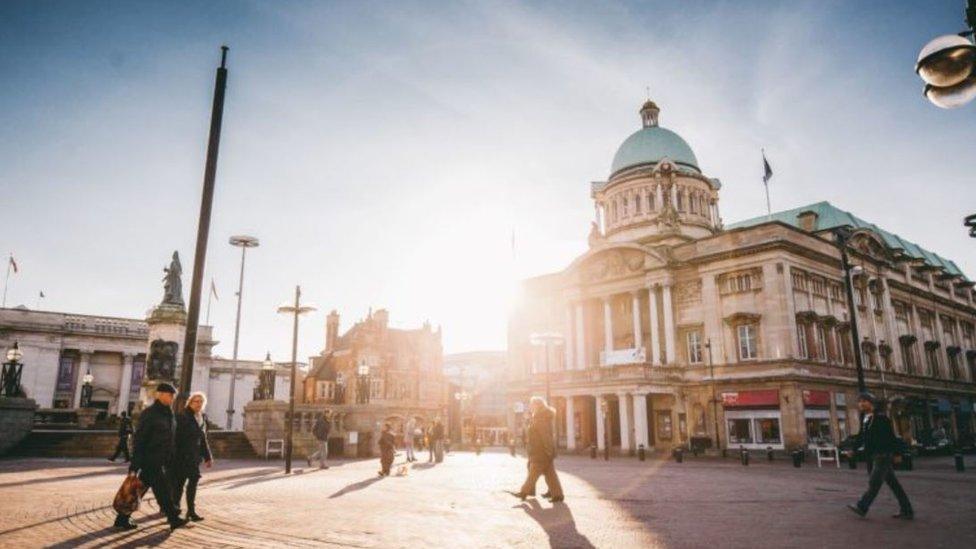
(16, 420)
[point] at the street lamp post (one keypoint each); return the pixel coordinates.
(947, 65)
(711, 367)
(86, 389)
(295, 310)
(12, 370)
(843, 235)
(243, 242)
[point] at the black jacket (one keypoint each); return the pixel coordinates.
(387, 443)
(125, 427)
(153, 443)
(192, 446)
(878, 436)
(321, 429)
(539, 436)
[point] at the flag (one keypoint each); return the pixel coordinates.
(42, 294)
(213, 290)
(13, 263)
(767, 170)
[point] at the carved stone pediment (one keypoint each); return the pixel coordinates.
(688, 292)
(742, 318)
(612, 264)
(871, 245)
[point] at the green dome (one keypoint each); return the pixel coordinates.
(651, 144)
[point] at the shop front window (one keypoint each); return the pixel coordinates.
(842, 424)
(818, 430)
(739, 431)
(767, 431)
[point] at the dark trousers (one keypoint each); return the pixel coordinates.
(882, 472)
(386, 460)
(545, 468)
(122, 448)
(159, 481)
(190, 479)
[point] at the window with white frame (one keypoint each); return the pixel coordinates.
(754, 428)
(694, 343)
(746, 334)
(801, 337)
(821, 339)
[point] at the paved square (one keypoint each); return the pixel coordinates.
(462, 503)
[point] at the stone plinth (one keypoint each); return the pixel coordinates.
(16, 421)
(86, 417)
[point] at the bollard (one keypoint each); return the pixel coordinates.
(744, 456)
(725, 453)
(511, 449)
(960, 465)
(606, 453)
(769, 453)
(909, 462)
(593, 452)
(679, 455)
(641, 452)
(797, 458)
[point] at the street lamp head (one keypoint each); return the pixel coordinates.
(88, 378)
(14, 354)
(953, 96)
(363, 369)
(244, 241)
(268, 363)
(286, 308)
(857, 270)
(946, 61)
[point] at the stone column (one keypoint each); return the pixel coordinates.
(568, 340)
(940, 353)
(891, 337)
(638, 329)
(640, 420)
(655, 338)
(669, 354)
(570, 424)
(580, 338)
(624, 423)
(600, 433)
(659, 204)
(84, 363)
(125, 385)
(607, 325)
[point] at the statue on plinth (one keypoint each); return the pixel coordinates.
(172, 283)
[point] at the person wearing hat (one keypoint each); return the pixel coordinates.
(152, 455)
(880, 444)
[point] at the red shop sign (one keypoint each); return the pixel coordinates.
(816, 398)
(749, 399)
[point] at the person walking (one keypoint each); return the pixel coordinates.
(152, 456)
(321, 431)
(429, 436)
(541, 450)
(408, 434)
(125, 429)
(192, 448)
(437, 440)
(880, 444)
(387, 449)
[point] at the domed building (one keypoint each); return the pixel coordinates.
(678, 330)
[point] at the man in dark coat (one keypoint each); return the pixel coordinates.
(125, 429)
(152, 455)
(878, 438)
(437, 437)
(387, 450)
(541, 449)
(192, 448)
(321, 432)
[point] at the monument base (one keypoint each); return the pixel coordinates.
(16, 420)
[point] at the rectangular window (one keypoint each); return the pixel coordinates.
(767, 431)
(694, 347)
(138, 372)
(66, 373)
(747, 341)
(818, 332)
(841, 423)
(932, 357)
(664, 427)
(740, 431)
(801, 335)
(375, 388)
(908, 356)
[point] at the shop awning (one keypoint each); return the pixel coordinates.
(751, 399)
(816, 398)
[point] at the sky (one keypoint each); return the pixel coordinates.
(385, 153)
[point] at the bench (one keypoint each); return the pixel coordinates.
(274, 445)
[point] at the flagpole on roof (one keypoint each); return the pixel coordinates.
(767, 175)
(6, 280)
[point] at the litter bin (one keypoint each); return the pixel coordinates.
(797, 458)
(679, 454)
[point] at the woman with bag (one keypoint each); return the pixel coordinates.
(192, 448)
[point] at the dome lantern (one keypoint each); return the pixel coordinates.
(649, 112)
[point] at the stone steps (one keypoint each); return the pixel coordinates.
(83, 443)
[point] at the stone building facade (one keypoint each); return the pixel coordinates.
(677, 326)
(374, 374)
(59, 348)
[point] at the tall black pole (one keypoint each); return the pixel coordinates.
(203, 231)
(711, 366)
(842, 237)
(294, 372)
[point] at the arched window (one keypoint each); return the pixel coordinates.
(637, 203)
(681, 201)
(650, 199)
(625, 207)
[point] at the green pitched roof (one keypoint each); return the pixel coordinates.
(829, 217)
